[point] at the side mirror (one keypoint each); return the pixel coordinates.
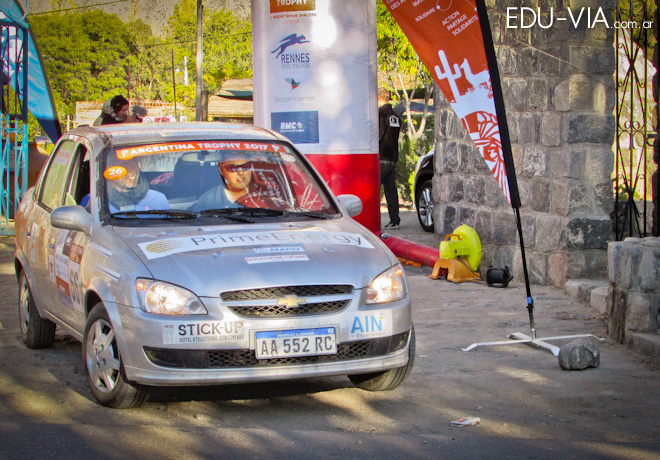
(351, 204)
(72, 218)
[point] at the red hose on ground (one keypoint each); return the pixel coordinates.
(414, 252)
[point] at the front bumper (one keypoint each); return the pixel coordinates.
(260, 373)
(150, 358)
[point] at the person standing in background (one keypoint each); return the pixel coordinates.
(114, 112)
(389, 124)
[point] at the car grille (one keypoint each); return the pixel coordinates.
(276, 311)
(232, 359)
(283, 291)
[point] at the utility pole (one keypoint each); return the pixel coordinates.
(176, 118)
(200, 61)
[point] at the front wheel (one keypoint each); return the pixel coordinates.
(36, 331)
(425, 206)
(387, 380)
(103, 366)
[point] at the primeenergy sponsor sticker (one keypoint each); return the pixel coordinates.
(277, 258)
(168, 246)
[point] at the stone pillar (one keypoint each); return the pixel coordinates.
(634, 275)
(559, 97)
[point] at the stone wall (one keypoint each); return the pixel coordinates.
(634, 293)
(560, 96)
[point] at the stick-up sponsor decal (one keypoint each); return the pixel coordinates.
(165, 247)
(369, 325)
(132, 152)
(204, 331)
(277, 258)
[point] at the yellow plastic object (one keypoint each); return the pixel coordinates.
(458, 270)
(464, 243)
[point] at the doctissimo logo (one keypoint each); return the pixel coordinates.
(292, 60)
(281, 6)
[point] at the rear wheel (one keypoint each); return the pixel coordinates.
(103, 365)
(36, 331)
(387, 380)
(425, 206)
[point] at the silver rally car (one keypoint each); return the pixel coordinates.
(205, 253)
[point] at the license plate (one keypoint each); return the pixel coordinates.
(300, 342)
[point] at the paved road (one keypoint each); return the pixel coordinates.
(528, 406)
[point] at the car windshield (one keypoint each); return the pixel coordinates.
(232, 180)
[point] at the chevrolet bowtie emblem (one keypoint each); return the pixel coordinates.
(291, 301)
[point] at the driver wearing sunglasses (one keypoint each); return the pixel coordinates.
(236, 188)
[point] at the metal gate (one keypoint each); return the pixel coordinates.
(633, 208)
(13, 120)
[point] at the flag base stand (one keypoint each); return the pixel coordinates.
(527, 340)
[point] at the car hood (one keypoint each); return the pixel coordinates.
(213, 259)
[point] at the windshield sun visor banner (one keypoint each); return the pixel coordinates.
(131, 152)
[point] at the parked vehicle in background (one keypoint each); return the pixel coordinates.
(205, 253)
(423, 190)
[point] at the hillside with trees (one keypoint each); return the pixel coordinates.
(94, 55)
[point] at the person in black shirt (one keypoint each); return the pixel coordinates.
(389, 124)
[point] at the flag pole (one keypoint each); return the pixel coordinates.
(498, 98)
(513, 193)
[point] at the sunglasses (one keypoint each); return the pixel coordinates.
(234, 168)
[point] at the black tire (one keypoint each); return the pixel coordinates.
(103, 365)
(36, 331)
(387, 380)
(425, 205)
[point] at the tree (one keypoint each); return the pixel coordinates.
(149, 64)
(400, 66)
(84, 55)
(227, 43)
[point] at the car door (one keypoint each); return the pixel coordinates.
(48, 196)
(66, 247)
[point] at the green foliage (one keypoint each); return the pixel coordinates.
(639, 12)
(85, 56)
(93, 55)
(410, 150)
(229, 49)
(395, 52)
(227, 43)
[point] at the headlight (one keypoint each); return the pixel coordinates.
(388, 286)
(167, 299)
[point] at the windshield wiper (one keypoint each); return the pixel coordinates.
(167, 213)
(313, 214)
(236, 214)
